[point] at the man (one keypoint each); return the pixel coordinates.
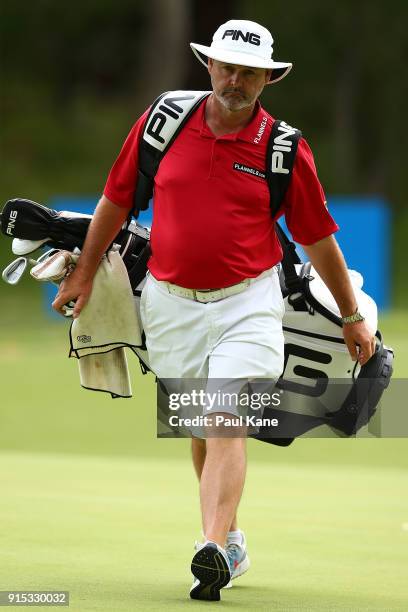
(212, 231)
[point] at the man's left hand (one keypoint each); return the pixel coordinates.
(360, 341)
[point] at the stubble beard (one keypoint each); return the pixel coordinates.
(233, 104)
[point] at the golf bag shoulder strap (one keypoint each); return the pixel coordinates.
(289, 259)
(280, 159)
(167, 116)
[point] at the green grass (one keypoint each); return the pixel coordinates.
(394, 327)
(92, 502)
(118, 534)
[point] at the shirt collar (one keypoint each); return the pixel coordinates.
(247, 134)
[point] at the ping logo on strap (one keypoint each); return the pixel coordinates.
(280, 146)
(250, 37)
(167, 115)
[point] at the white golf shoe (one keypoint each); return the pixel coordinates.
(238, 558)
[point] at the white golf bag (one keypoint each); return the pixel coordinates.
(320, 383)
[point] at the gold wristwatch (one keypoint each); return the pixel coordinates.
(354, 318)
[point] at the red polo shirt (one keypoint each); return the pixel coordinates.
(212, 225)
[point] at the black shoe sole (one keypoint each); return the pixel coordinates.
(211, 569)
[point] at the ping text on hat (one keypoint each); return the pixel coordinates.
(250, 37)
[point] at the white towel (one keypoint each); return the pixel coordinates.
(106, 372)
(105, 325)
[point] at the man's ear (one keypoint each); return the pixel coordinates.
(210, 64)
(268, 75)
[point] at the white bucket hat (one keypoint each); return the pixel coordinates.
(245, 43)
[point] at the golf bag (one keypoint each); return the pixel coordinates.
(321, 384)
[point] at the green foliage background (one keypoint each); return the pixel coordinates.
(75, 77)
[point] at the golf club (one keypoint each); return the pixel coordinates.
(15, 270)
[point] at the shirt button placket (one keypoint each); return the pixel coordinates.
(214, 159)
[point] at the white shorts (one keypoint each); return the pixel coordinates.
(236, 338)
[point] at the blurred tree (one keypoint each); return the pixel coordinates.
(205, 19)
(347, 93)
(164, 62)
(72, 49)
(345, 88)
(75, 76)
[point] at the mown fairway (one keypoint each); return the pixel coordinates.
(118, 534)
(93, 503)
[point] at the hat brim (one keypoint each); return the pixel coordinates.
(279, 69)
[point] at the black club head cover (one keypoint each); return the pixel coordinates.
(21, 218)
(26, 219)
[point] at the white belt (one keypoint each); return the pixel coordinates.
(212, 295)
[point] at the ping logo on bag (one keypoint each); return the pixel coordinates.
(300, 367)
(250, 37)
(280, 145)
(12, 222)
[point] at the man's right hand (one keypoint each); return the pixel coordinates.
(106, 222)
(73, 287)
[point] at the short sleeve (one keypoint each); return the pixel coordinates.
(305, 206)
(121, 183)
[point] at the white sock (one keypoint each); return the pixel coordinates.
(234, 537)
